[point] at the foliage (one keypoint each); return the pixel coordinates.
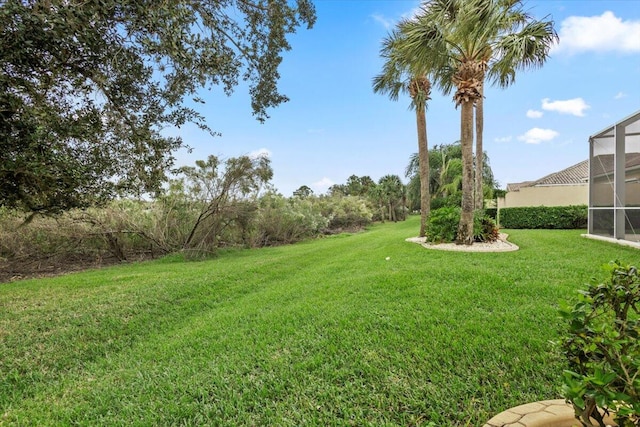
(492, 213)
(345, 213)
(390, 193)
(499, 193)
(222, 189)
(120, 229)
(445, 165)
(602, 347)
(283, 221)
(355, 186)
(448, 201)
(484, 227)
(87, 87)
(303, 191)
(545, 217)
(443, 225)
(196, 215)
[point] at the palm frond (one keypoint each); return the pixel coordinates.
(528, 48)
(413, 167)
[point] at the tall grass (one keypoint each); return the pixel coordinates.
(326, 332)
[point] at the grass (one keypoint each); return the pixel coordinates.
(325, 332)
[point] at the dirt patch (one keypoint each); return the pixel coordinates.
(20, 269)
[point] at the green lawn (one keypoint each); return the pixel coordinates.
(322, 333)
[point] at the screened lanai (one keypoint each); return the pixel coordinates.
(614, 181)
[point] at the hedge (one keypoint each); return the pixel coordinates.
(491, 213)
(544, 217)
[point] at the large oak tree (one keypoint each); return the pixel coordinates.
(87, 86)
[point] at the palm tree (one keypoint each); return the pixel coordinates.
(474, 39)
(394, 193)
(397, 77)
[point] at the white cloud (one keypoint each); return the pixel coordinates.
(537, 135)
(534, 114)
(383, 20)
(503, 139)
(315, 131)
(322, 185)
(262, 152)
(575, 106)
(604, 33)
(388, 23)
(620, 95)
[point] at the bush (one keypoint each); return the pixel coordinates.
(484, 228)
(451, 201)
(602, 348)
(492, 213)
(281, 220)
(545, 217)
(443, 225)
(345, 212)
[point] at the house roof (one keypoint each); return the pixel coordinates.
(516, 186)
(573, 175)
(576, 174)
(603, 164)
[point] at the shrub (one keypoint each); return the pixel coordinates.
(545, 217)
(484, 228)
(345, 212)
(492, 213)
(443, 225)
(451, 201)
(281, 220)
(602, 348)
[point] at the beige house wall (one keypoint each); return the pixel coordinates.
(557, 195)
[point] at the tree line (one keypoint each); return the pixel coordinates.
(217, 203)
(222, 203)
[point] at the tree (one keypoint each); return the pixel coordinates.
(221, 188)
(303, 192)
(358, 185)
(87, 87)
(398, 77)
(445, 166)
(392, 192)
(467, 38)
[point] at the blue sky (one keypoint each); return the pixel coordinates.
(334, 125)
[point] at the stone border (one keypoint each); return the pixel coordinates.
(546, 413)
(501, 245)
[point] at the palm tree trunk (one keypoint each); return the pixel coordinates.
(423, 155)
(479, 194)
(465, 227)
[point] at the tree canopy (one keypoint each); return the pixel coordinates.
(445, 178)
(86, 87)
